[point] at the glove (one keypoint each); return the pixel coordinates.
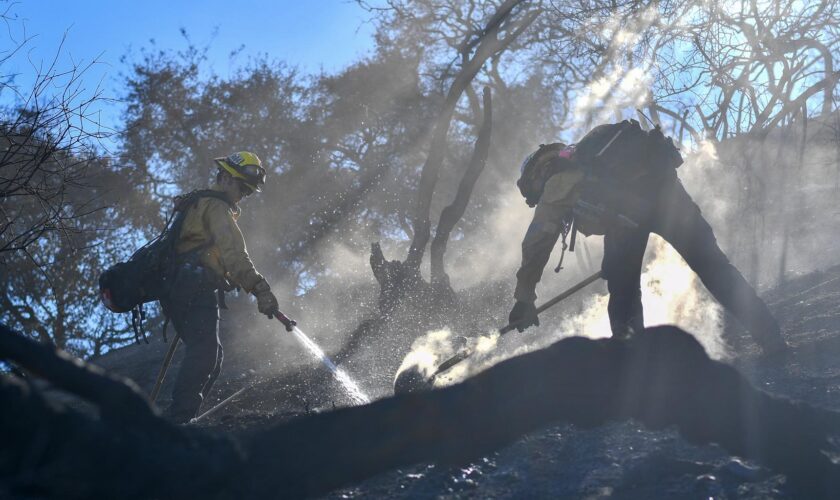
(523, 315)
(266, 301)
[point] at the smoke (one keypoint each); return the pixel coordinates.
(484, 252)
(673, 294)
(493, 253)
(619, 89)
(771, 201)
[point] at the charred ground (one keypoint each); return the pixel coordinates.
(617, 460)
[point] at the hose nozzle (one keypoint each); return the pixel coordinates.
(288, 322)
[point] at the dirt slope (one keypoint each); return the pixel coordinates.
(615, 461)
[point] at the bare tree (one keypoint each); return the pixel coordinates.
(478, 46)
(757, 63)
(47, 143)
(56, 187)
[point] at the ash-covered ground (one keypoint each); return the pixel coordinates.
(621, 460)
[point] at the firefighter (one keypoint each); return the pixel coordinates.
(621, 181)
(211, 258)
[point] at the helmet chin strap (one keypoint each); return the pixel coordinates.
(232, 187)
(244, 190)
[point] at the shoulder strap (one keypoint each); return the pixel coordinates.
(185, 202)
(182, 203)
(209, 193)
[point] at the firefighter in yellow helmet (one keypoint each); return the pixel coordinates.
(211, 257)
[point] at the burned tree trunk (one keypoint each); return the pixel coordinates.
(661, 378)
(401, 280)
(450, 215)
(487, 45)
(501, 30)
(397, 281)
(434, 304)
(117, 399)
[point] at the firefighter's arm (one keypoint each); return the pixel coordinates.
(554, 207)
(228, 239)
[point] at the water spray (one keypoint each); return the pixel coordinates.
(349, 385)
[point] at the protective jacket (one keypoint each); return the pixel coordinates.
(211, 230)
(655, 201)
(551, 214)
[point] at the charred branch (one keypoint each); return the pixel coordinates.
(489, 45)
(55, 452)
(117, 398)
(661, 378)
(450, 215)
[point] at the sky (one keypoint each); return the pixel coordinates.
(312, 35)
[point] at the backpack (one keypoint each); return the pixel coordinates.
(613, 155)
(148, 274)
(624, 151)
(610, 154)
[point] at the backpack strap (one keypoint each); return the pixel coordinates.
(182, 204)
(138, 316)
(165, 325)
(185, 201)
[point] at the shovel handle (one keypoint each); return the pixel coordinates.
(167, 360)
(464, 354)
(565, 295)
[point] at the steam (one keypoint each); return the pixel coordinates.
(492, 254)
(619, 89)
(428, 352)
(671, 294)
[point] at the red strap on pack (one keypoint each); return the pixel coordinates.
(567, 152)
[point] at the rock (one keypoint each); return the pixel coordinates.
(742, 470)
(411, 380)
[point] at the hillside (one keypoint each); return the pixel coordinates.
(621, 460)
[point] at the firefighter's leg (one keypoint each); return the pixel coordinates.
(208, 386)
(198, 327)
(683, 226)
(622, 267)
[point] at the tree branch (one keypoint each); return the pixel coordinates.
(450, 215)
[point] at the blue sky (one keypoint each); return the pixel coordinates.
(309, 34)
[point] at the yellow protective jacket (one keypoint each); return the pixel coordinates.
(212, 223)
(556, 203)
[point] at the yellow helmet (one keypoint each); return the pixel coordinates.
(245, 166)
